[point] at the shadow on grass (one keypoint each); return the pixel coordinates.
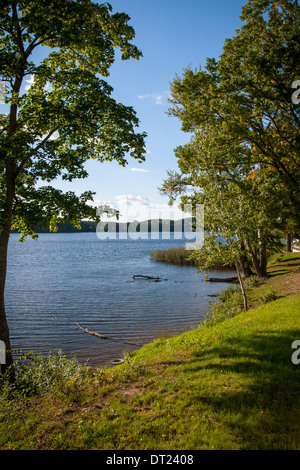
(278, 272)
(287, 261)
(256, 391)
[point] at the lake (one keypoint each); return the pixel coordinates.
(67, 278)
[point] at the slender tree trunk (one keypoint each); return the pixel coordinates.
(289, 239)
(242, 286)
(244, 260)
(4, 239)
(254, 260)
(6, 222)
(262, 253)
(245, 266)
(4, 330)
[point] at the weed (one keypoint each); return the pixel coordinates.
(228, 305)
(269, 296)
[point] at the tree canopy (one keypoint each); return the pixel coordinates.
(68, 114)
(243, 159)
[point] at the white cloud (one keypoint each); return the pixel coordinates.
(139, 208)
(129, 200)
(143, 208)
(158, 98)
(140, 170)
(29, 82)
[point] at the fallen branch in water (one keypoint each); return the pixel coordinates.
(98, 335)
(221, 279)
(141, 276)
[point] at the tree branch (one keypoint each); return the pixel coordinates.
(23, 163)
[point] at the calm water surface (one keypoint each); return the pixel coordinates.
(63, 279)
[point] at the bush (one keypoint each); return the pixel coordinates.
(250, 282)
(226, 294)
(228, 305)
(37, 375)
(268, 297)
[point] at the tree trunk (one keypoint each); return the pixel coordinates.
(4, 330)
(242, 287)
(6, 220)
(244, 260)
(245, 266)
(289, 239)
(262, 253)
(4, 239)
(254, 260)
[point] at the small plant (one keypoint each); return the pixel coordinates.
(228, 305)
(250, 282)
(38, 375)
(227, 293)
(268, 297)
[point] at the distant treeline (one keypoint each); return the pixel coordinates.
(153, 225)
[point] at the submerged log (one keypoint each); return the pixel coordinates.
(221, 279)
(98, 335)
(155, 279)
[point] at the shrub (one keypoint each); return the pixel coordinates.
(268, 297)
(37, 374)
(250, 282)
(228, 305)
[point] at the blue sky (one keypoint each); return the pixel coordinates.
(172, 35)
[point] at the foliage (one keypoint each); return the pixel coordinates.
(268, 297)
(37, 375)
(68, 114)
(173, 255)
(242, 161)
(182, 257)
(228, 304)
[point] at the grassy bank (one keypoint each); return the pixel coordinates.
(229, 384)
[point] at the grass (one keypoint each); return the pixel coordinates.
(180, 256)
(228, 384)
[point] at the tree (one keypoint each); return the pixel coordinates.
(243, 159)
(258, 68)
(66, 117)
(233, 207)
